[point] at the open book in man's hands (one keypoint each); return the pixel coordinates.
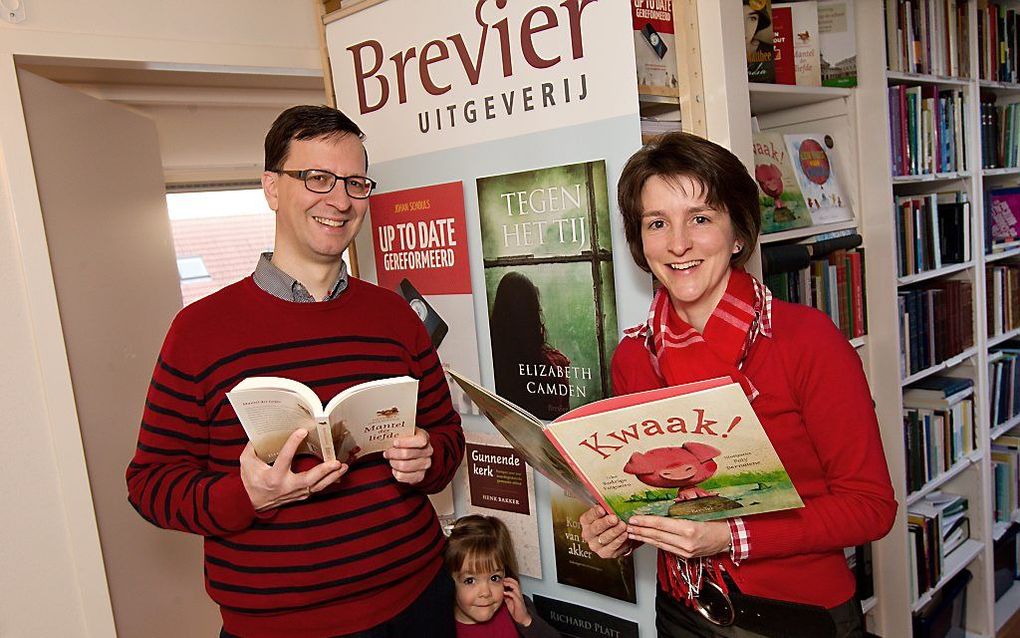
(360, 420)
(694, 451)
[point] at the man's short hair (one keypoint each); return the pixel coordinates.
(306, 123)
(723, 179)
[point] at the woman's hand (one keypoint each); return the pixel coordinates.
(606, 535)
(514, 600)
(688, 539)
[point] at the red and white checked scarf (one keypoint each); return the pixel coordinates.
(680, 354)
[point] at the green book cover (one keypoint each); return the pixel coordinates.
(546, 250)
(782, 203)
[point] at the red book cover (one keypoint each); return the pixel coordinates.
(782, 42)
(857, 292)
(837, 259)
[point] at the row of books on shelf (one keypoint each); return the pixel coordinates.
(937, 526)
(932, 231)
(808, 43)
(1002, 288)
(1004, 382)
(927, 130)
(1005, 477)
(1002, 219)
(938, 426)
(928, 36)
(936, 323)
(998, 29)
(798, 181)
(1000, 133)
(827, 275)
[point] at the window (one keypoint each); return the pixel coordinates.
(219, 232)
(192, 269)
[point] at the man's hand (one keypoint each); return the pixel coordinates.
(270, 486)
(410, 457)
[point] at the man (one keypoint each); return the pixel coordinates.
(302, 547)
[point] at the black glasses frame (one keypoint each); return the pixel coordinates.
(304, 174)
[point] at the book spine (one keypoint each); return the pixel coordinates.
(325, 434)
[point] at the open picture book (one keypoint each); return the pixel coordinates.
(694, 451)
(360, 420)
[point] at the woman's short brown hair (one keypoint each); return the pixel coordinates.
(477, 542)
(723, 179)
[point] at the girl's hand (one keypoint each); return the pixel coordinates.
(688, 539)
(606, 535)
(514, 600)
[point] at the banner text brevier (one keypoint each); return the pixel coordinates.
(369, 57)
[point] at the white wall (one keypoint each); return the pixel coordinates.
(54, 581)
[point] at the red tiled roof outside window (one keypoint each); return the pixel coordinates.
(229, 246)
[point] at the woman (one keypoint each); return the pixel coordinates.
(528, 369)
(691, 215)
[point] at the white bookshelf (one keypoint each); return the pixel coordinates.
(810, 231)
(970, 460)
(960, 557)
(927, 275)
(858, 119)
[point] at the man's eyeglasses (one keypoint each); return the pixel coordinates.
(320, 181)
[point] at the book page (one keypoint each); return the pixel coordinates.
(700, 456)
(367, 417)
(269, 416)
(527, 435)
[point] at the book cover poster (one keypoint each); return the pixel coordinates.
(782, 203)
(838, 43)
(421, 252)
(575, 621)
(1004, 216)
(546, 251)
(816, 165)
(758, 41)
(655, 47)
(701, 455)
(804, 26)
(523, 526)
(578, 566)
(497, 478)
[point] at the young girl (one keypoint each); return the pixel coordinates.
(480, 559)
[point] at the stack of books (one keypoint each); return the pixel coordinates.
(1004, 382)
(807, 43)
(928, 36)
(1006, 476)
(937, 525)
(1002, 291)
(827, 275)
(932, 230)
(938, 426)
(928, 130)
(936, 324)
(998, 35)
(1000, 133)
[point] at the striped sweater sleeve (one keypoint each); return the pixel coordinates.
(169, 480)
(436, 415)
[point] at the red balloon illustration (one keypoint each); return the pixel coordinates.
(814, 162)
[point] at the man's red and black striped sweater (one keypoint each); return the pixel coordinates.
(349, 557)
